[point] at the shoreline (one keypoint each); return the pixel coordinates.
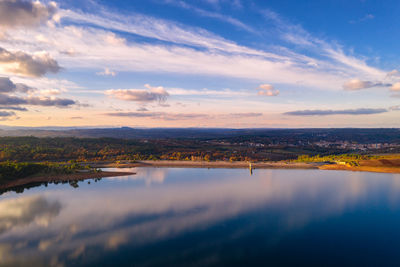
(81, 176)
(61, 178)
(245, 165)
(206, 164)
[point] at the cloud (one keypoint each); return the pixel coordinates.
(23, 88)
(153, 94)
(142, 109)
(288, 31)
(154, 28)
(331, 55)
(360, 111)
(14, 13)
(14, 108)
(365, 18)
(192, 50)
(183, 116)
(107, 72)
(176, 48)
(7, 86)
(45, 101)
(136, 114)
(356, 84)
(160, 115)
(395, 87)
(50, 92)
(11, 100)
(21, 63)
(395, 95)
(6, 114)
(237, 4)
(393, 73)
(245, 115)
(214, 15)
(267, 90)
(207, 92)
(37, 101)
(26, 210)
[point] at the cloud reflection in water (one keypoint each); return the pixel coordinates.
(171, 202)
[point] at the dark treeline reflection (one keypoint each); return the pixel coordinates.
(21, 189)
(201, 217)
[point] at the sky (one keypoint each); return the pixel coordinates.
(203, 63)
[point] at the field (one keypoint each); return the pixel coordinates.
(383, 163)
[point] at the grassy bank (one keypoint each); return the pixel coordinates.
(389, 163)
(16, 170)
(16, 176)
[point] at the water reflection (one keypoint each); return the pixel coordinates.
(148, 175)
(21, 188)
(23, 211)
(207, 210)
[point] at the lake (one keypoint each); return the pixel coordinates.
(206, 217)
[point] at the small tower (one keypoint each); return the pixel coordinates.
(250, 168)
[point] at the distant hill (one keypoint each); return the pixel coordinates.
(124, 132)
(358, 135)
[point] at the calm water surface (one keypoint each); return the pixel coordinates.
(206, 217)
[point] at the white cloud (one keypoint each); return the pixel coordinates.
(21, 63)
(245, 115)
(207, 92)
(395, 87)
(152, 94)
(48, 84)
(394, 108)
(393, 73)
(267, 90)
(93, 51)
(107, 72)
(159, 29)
(160, 115)
(217, 56)
(188, 50)
(356, 84)
(205, 13)
(365, 18)
(329, 52)
(165, 116)
(14, 13)
(49, 92)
